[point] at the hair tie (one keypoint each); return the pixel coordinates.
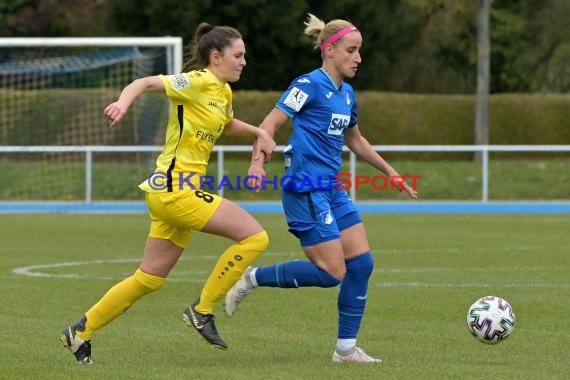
(337, 36)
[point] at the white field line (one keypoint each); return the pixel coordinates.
(42, 270)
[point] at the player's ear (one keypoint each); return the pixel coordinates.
(215, 57)
(329, 50)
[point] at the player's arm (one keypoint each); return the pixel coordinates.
(272, 122)
(117, 110)
(263, 141)
(364, 151)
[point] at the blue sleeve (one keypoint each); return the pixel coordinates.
(297, 96)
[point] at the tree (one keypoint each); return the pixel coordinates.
(531, 41)
(52, 18)
(425, 46)
(272, 31)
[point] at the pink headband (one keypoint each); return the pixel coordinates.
(337, 36)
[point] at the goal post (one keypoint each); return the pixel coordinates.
(53, 92)
(173, 45)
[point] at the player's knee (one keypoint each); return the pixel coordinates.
(152, 283)
(333, 269)
(330, 276)
(361, 265)
(257, 242)
(337, 273)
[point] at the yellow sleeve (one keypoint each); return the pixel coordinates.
(181, 87)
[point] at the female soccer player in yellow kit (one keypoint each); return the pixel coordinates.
(201, 112)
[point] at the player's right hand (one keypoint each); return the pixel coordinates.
(255, 176)
(115, 112)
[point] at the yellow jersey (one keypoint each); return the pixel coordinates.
(201, 107)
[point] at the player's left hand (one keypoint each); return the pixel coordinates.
(411, 192)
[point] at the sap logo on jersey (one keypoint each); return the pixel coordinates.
(338, 123)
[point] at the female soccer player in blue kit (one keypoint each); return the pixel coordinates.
(319, 212)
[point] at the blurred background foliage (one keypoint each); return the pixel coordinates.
(410, 46)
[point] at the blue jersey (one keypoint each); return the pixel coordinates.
(320, 112)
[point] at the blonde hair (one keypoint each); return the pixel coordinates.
(316, 28)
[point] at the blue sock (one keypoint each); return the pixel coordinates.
(352, 295)
(294, 274)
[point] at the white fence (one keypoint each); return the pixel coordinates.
(88, 150)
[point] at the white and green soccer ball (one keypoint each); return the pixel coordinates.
(491, 319)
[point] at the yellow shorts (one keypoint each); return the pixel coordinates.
(174, 215)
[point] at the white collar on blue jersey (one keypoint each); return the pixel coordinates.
(331, 80)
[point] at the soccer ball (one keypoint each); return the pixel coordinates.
(491, 319)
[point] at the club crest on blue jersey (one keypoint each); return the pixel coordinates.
(326, 217)
(338, 123)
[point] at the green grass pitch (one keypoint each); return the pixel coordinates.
(429, 269)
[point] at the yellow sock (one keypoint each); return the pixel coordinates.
(117, 300)
(229, 268)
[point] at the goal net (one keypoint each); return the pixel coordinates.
(52, 95)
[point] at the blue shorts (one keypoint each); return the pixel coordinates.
(319, 216)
